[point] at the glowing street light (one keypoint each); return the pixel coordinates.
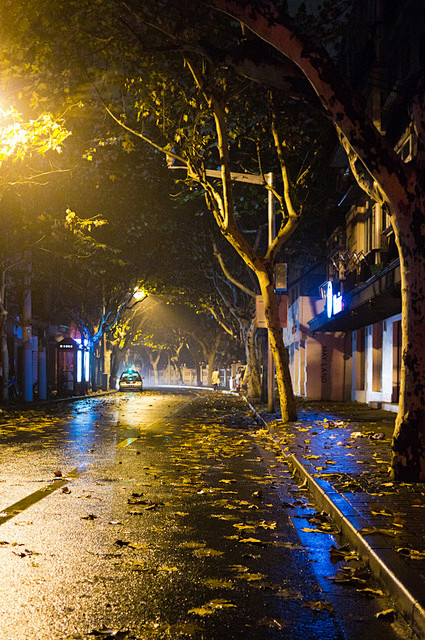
(139, 293)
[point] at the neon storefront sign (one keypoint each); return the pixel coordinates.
(334, 301)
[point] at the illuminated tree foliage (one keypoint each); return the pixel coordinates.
(152, 68)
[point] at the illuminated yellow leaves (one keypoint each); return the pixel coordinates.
(212, 606)
(19, 138)
(411, 553)
(343, 553)
(388, 614)
(138, 565)
(251, 577)
(254, 541)
(262, 433)
(367, 531)
(214, 583)
(221, 516)
(372, 593)
(78, 224)
(253, 525)
(138, 546)
(240, 526)
(192, 545)
(207, 553)
(267, 525)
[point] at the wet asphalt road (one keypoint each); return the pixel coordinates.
(157, 515)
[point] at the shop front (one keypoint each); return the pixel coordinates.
(72, 367)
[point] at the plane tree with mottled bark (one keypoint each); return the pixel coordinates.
(386, 179)
(239, 297)
(204, 122)
(229, 295)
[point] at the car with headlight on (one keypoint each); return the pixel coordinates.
(130, 380)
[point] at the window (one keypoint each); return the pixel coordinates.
(370, 240)
(385, 219)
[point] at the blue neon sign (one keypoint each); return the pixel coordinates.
(334, 301)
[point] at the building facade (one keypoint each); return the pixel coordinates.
(360, 313)
(317, 360)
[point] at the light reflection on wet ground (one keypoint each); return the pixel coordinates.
(36, 444)
(66, 565)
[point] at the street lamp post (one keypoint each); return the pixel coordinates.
(271, 235)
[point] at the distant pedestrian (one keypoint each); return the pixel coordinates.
(238, 381)
(240, 378)
(215, 380)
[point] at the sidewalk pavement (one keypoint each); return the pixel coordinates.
(341, 454)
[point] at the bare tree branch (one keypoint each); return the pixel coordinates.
(229, 276)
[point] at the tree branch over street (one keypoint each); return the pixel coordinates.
(398, 184)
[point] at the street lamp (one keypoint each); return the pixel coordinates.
(139, 294)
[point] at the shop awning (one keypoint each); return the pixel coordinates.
(374, 300)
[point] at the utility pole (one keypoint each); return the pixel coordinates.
(271, 235)
(42, 365)
(27, 332)
(104, 372)
(3, 337)
(256, 179)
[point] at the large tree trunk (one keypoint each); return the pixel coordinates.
(280, 354)
(179, 371)
(198, 368)
(154, 360)
(210, 352)
(409, 434)
(210, 361)
(116, 359)
(253, 377)
(176, 362)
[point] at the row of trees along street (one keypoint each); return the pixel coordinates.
(179, 79)
(85, 269)
(184, 114)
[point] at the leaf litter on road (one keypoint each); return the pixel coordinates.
(206, 553)
(214, 444)
(212, 606)
(218, 583)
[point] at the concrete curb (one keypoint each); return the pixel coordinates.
(400, 589)
(258, 418)
(42, 403)
(386, 566)
(97, 394)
